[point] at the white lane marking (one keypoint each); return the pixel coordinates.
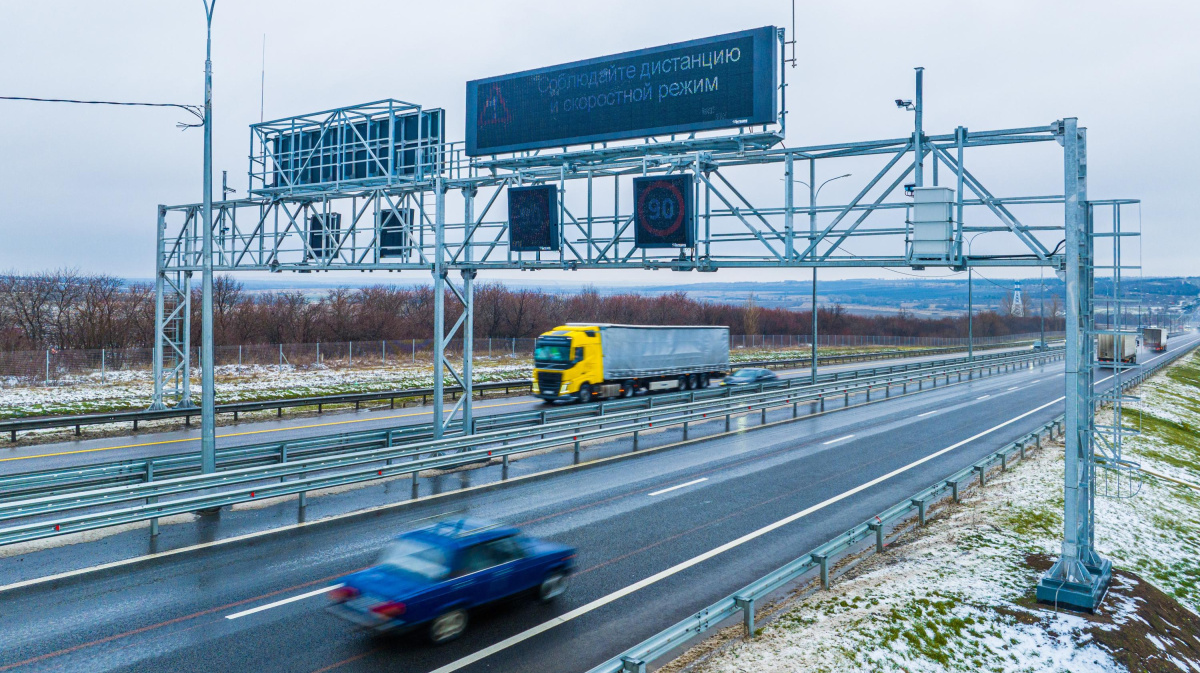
(1013, 388)
(285, 601)
(1035, 381)
(928, 413)
(695, 560)
(679, 486)
(839, 439)
(983, 397)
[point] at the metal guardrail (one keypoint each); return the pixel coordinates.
(636, 658)
(372, 455)
(96, 475)
(12, 426)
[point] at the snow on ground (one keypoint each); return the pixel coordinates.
(957, 596)
(132, 389)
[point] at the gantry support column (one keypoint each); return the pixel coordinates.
(439, 306)
(1080, 577)
(156, 402)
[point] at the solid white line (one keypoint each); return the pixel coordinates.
(716, 551)
(983, 397)
(679, 486)
(285, 601)
(1013, 388)
(927, 413)
(834, 441)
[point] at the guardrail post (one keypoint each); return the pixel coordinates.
(635, 440)
(726, 426)
(920, 510)
(905, 388)
(629, 665)
(823, 560)
(1021, 448)
(747, 607)
(576, 459)
(152, 500)
(504, 467)
(764, 415)
(982, 470)
(415, 482)
(1037, 440)
(283, 458)
(878, 528)
(685, 431)
(846, 402)
(822, 398)
(1003, 460)
(887, 390)
(921, 384)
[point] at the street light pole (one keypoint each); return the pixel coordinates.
(208, 440)
(812, 236)
(970, 302)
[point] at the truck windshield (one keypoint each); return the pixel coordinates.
(551, 352)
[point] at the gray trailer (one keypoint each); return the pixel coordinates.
(1113, 347)
(1154, 338)
(643, 352)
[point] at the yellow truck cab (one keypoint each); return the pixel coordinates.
(595, 361)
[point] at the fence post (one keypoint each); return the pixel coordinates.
(102, 363)
(318, 353)
(47, 366)
(239, 356)
(414, 351)
(383, 350)
(279, 369)
(351, 355)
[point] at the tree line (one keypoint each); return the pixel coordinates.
(70, 310)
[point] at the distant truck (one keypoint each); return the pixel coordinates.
(1154, 338)
(596, 361)
(1112, 347)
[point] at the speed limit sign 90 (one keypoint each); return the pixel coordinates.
(664, 217)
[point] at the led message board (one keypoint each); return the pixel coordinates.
(663, 215)
(533, 218)
(717, 82)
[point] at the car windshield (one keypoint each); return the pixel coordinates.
(545, 352)
(744, 375)
(416, 558)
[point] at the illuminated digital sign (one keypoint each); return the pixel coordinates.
(717, 82)
(663, 216)
(533, 218)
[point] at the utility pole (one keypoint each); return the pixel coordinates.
(208, 434)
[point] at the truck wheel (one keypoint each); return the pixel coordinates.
(704, 380)
(693, 381)
(553, 586)
(628, 388)
(683, 383)
(585, 392)
(448, 626)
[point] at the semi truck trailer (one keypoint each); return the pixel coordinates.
(583, 362)
(1113, 347)
(1154, 338)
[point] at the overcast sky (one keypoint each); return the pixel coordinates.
(79, 184)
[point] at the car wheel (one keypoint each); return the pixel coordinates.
(448, 626)
(552, 586)
(629, 388)
(585, 392)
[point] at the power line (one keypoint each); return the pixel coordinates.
(196, 110)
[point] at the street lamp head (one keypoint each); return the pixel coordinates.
(905, 104)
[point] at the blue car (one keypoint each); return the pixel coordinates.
(431, 577)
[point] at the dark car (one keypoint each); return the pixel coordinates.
(749, 375)
(431, 577)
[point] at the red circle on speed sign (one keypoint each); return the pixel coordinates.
(674, 225)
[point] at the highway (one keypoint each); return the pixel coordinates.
(148, 444)
(660, 534)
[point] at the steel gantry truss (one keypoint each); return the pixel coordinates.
(745, 214)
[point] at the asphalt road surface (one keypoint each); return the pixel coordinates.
(648, 556)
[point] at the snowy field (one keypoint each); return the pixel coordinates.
(957, 596)
(131, 389)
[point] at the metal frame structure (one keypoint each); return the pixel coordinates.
(740, 224)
